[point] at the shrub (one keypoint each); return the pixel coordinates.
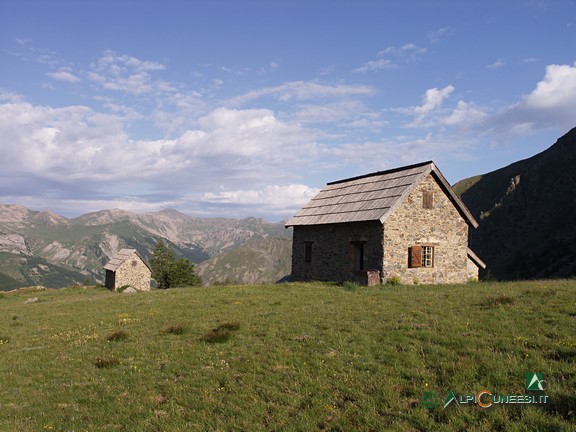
(221, 333)
(122, 288)
(176, 329)
(393, 280)
(119, 335)
(216, 336)
(350, 285)
(495, 301)
(102, 363)
(233, 326)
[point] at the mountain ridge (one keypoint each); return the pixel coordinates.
(526, 212)
(78, 247)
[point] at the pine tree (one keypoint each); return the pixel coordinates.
(170, 272)
(182, 274)
(161, 263)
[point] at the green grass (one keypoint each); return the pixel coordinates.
(298, 357)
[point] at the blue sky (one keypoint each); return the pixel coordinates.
(248, 108)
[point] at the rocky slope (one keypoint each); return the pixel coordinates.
(526, 213)
(255, 261)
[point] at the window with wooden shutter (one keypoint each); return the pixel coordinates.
(421, 256)
(415, 257)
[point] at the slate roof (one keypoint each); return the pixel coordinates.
(372, 197)
(120, 257)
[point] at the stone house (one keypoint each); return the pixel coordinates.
(127, 268)
(405, 223)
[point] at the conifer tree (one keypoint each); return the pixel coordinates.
(170, 272)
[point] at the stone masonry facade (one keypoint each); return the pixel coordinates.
(425, 218)
(441, 227)
(333, 250)
(132, 272)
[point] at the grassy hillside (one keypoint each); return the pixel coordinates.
(256, 261)
(18, 270)
(286, 357)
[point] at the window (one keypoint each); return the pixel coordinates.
(308, 251)
(421, 256)
(428, 199)
(427, 256)
(358, 255)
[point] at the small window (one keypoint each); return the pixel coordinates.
(428, 199)
(134, 263)
(427, 256)
(358, 257)
(421, 256)
(308, 251)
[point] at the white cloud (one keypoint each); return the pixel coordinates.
(407, 53)
(437, 35)
(278, 198)
(331, 112)
(271, 68)
(255, 132)
(401, 150)
(64, 76)
(76, 152)
(433, 113)
(552, 104)
(375, 65)
(465, 114)
(556, 90)
(431, 103)
(409, 50)
(500, 63)
(303, 90)
(433, 99)
(125, 73)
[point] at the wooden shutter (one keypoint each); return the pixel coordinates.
(415, 257)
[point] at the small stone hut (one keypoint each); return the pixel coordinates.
(127, 268)
(406, 223)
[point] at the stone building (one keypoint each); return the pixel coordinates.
(405, 223)
(127, 268)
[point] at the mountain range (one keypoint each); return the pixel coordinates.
(42, 248)
(526, 212)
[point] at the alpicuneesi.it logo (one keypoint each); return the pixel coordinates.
(485, 398)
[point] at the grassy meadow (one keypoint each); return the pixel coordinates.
(286, 357)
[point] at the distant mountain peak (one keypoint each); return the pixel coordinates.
(173, 213)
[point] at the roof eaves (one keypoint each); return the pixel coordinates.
(475, 258)
(455, 198)
(390, 171)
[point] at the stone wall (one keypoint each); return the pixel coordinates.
(133, 272)
(441, 226)
(473, 270)
(334, 251)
